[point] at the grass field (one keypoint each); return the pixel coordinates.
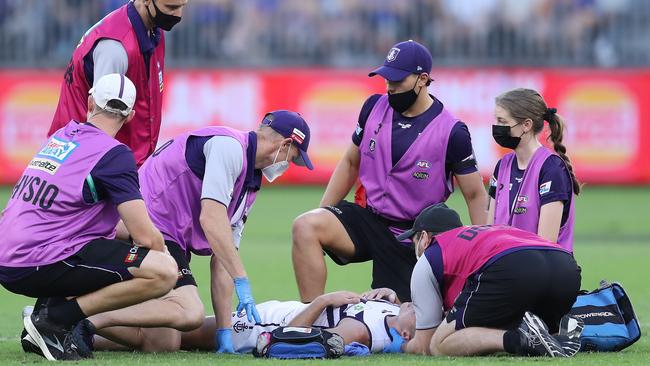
(612, 241)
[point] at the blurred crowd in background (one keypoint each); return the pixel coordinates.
(351, 33)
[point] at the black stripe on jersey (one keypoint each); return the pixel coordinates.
(329, 312)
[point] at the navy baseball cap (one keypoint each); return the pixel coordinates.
(291, 125)
(404, 59)
(436, 219)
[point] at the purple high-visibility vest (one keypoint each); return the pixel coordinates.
(47, 219)
(172, 192)
(523, 213)
(418, 180)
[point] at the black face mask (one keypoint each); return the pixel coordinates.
(502, 136)
(162, 20)
(400, 102)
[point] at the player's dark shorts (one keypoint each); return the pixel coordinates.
(100, 263)
(185, 276)
(544, 282)
(392, 261)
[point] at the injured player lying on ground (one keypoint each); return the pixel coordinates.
(369, 319)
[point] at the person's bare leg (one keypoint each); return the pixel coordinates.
(155, 277)
(141, 339)
(104, 344)
(447, 341)
(180, 309)
(201, 338)
(313, 231)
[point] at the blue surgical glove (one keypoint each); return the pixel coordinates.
(396, 345)
(246, 301)
(356, 349)
(223, 341)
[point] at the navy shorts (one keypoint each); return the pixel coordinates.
(544, 282)
(392, 261)
(100, 263)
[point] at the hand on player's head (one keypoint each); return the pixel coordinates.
(340, 298)
(381, 294)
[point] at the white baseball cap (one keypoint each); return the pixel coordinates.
(114, 87)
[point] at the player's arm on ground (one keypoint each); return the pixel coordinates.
(352, 330)
(308, 316)
(344, 176)
(137, 222)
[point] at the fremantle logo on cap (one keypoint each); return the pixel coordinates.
(392, 54)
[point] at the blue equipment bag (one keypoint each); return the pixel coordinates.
(299, 343)
(610, 323)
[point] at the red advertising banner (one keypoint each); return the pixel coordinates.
(604, 109)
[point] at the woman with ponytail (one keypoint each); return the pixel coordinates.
(533, 187)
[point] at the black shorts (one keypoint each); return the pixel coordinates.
(392, 261)
(100, 263)
(544, 282)
(185, 276)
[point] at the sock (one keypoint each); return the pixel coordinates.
(511, 343)
(67, 313)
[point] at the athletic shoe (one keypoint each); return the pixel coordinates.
(26, 341)
(54, 341)
(82, 335)
(535, 339)
(570, 332)
(29, 345)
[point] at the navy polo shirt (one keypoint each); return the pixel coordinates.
(406, 129)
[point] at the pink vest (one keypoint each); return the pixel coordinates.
(418, 180)
(172, 191)
(47, 218)
(524, 212)
(466, 249)
(141, 134)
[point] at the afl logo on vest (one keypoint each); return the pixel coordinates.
(423, 164)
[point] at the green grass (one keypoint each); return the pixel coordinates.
(612, 242)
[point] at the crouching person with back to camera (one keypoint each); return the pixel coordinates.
(504, 289)
(59, 229)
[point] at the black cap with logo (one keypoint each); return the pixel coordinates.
(436, 219)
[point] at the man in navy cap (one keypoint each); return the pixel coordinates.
(405, 151)
(199, 188)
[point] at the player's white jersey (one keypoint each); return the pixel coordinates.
(280, 313)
